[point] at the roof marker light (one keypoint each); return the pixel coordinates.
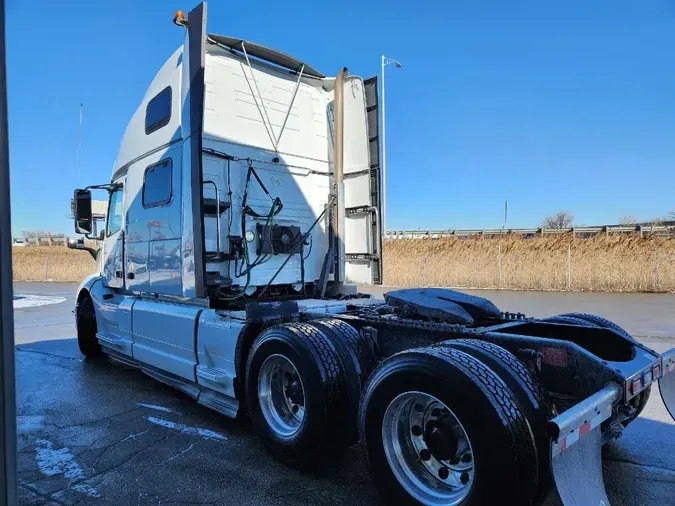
(179, 19)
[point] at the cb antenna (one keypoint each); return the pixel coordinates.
(79, 146)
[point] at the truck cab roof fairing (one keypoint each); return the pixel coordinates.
(265, 53)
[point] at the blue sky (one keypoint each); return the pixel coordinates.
(549, 105)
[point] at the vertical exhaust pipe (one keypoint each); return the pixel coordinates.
(338, 180)
(334, 260)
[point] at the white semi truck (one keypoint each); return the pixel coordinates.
(243, 215)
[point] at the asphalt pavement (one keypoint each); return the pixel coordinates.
(101, 433)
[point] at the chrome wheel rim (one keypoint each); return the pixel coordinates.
(428, 449)
(281, 395)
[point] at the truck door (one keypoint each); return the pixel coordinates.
(363, 229)
(113, 242)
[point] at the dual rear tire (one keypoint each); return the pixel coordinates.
(442, 427)
(459, 423)
(303, 386)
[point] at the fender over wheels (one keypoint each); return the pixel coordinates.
(640, 401)
(86, 329)
(296, 392)
(441, 428)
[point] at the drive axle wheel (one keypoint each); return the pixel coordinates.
(295, 392)
(427, 448)
(441, 428)
(281, 395)
(532, 399)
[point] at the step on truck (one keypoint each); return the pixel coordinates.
(243, 216)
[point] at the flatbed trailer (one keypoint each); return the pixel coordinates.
(244, 213)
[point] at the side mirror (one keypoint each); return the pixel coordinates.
(82, 211)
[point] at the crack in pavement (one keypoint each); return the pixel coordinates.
(80, 424)
(180, 453)
(46, 497)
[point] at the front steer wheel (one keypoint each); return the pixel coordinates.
(442, 428)
(86, 329)
(295, 392)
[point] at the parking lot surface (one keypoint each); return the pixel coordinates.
(102, 433)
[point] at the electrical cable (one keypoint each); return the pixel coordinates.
(297, 244)
(311, 243)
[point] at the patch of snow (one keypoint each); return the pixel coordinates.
(186, 429)
(24, 301)
(86, 489)
(53, 462)
(152, 406)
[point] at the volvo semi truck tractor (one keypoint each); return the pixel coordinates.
(244, 215)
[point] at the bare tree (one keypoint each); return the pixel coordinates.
(559, 220)
(671, 216)
(628, 221)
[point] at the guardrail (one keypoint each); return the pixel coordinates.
(641, 230)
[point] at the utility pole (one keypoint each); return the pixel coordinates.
(384, 61)
(8, 494)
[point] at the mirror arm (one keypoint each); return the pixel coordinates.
(110, 187)
(93, 252)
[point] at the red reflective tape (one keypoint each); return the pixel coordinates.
(555, 356)
(563, 445)
(584, 429)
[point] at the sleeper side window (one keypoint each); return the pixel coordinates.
(158, 112)
(157, 187)
(115, 212)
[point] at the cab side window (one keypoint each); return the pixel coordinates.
(158, 112)
(115, 210)
(157, 187)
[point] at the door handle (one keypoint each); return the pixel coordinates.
(131, 275)
(118, 274)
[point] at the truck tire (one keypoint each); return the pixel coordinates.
(569, 320)
(295, 392)
(441, 427)
(532, 399)
(86, 329)
(640, 401)
(358, 361)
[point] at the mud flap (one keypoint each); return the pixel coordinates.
(577, 472)
(667, 381)
(576, 461)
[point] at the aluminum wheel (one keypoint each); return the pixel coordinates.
(281, 395)
(428, 449)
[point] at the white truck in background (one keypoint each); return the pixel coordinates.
(244, 213)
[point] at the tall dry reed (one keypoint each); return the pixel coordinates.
(54, 263)
(619, 263)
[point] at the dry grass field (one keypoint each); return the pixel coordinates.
(620, 263)
(44, 263)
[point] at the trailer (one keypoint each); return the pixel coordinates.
(243, 215)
